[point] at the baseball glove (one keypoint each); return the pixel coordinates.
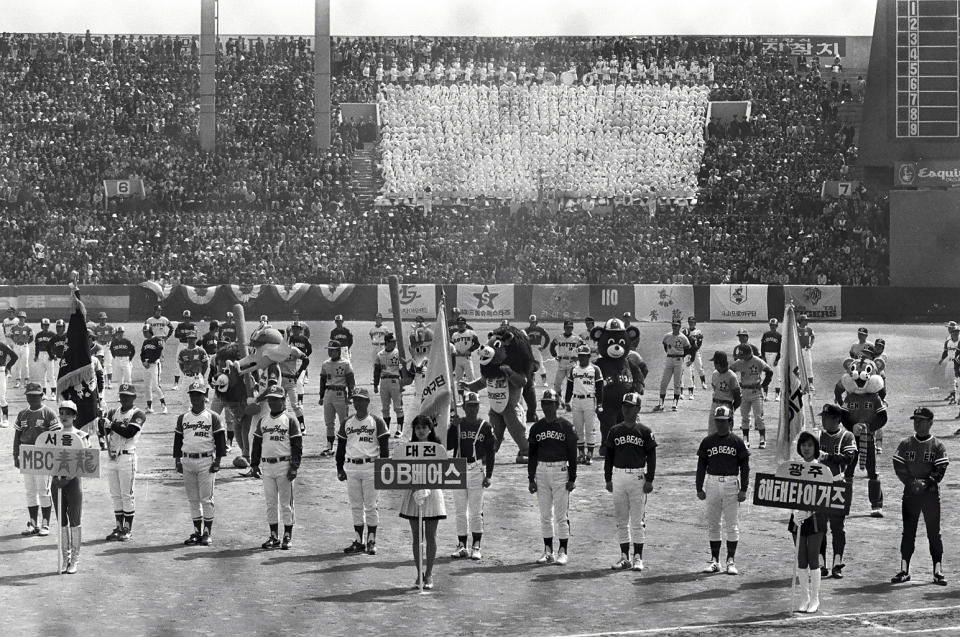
(918, 486)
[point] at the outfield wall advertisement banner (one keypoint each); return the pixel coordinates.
(611, 301)
(559, 302)
(738, 302)
(491, 302)
(417, 299)
(663, 303)
(928, 173)
(818, 302)
(53, 301)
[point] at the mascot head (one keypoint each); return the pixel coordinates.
(506, 346)
(862, 375)
(267, 347)
(614, 339)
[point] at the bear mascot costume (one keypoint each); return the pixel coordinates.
(623, 370)
(861, 391)
(506, 366)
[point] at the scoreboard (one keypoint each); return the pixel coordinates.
(927, 42)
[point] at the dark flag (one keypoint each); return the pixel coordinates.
(77, 379)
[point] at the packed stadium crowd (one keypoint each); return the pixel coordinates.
(78, 109)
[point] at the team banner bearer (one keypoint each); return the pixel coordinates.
(436, 395)
(794, 387)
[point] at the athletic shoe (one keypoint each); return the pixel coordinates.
(876, 513)
(355, 548)
(149, 410)
(588, 460)
(900, 578)
(4, 423)
(939, 579)
(30, 530)
(327, 452)
(475, 553)
(746, 443)
(837, 571)
(461, 551)
(17, 385)
(205, 539)
(546, 558)
(428, 583)
(879, 451)
(124, 536)
(731, 567)
(287, 542)
(175, 388)
(114, 535)
(674, 408)
(371, 547)
(658, 408)
(562, 557)
(824, 571)
(688, 397)
(44, 529)
(712, 567)
(623, 564)
(637, 563)
(763, 444)
(272, 542)
(703, 385)
(193, 539)
(164, 410)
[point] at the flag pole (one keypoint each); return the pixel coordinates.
(420, 576)
(60, 566)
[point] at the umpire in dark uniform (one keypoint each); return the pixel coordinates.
(838, 451)
(921, 462)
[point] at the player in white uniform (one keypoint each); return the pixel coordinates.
(950, 347)
(584, 398)
(585, 336)
(465, 343)
(564, 350)
(386, 382)
(377, 334)
(9, 321)
(539, 342)
(159, 324)
(693, 362)
(120, 431)
(7, 360)
(22, 335)
(336, 383)
(360, 440)
(676, 346)
(103, 333)
(755, 375)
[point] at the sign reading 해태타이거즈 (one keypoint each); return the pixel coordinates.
(802, 486)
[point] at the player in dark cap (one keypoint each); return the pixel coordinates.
(838, 451)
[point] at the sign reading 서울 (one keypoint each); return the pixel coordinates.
(420, 465)
(929, 173)
(802, 486)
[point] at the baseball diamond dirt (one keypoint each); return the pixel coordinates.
(154, 585)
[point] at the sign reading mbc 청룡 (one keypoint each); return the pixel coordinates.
(928, 173)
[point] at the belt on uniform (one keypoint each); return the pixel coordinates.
(558, 463)
(329, 388)
(388, 376)
(723, 401)
(675, 355)
(275, 460)
(750, 386)
(198, 455)
(721, 478)
(630, 470)
(582, 396)
(470, 460)
(360, 460)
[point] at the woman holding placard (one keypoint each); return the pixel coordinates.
(426, 506)
(812, 529)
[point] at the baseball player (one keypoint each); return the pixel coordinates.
(553, 451)
(58, 344)
(880, 361)
(151, 355)
(755, 377)
(298, 338)
(22, 335)
(199, 443)
(743, 338)
(159, 324)
(228, 330)
(342, 335)
(693, 359)
(295, 316)
(123, 352)
(473, 439)
(564, 350)
(8, 358)
(584, 400)
(291, 371)
(9, 321)
(69, 491)
(465, 343)
(586, 337)
(951, 348)
(921, 462)
(806, 337)
(721, 458)
(539, 341)
(675, 345)
(361, 438)
(210, 343)
(103, 334)
(838, 451)
(31, 422)
(184, 329)
(192, 360)
(278, 445)
(770, 344)
(628, 470)
(857, 348)
(336, 383)
(378, 333)
(120, 430)
(43, 358)
(386, 381)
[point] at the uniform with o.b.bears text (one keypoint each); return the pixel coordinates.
(630, 462)
(123, 353)
(43, 357)
(475, 441)
(58, 345)
(723, 471)
(552, 466)
(837, 452)
(121, 433)
(199, 442)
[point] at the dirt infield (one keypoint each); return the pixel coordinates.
(153, 585)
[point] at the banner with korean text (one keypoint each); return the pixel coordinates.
(738, 302)
(662, 303)
(416, 299)
(490, 302)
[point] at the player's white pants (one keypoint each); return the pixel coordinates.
(121, 474)
(560, 379)
(362, 494)
(629, 503)
(463, 368)
(376, 349)
(770, 357)
(278, 492)
(807, 357)
(693, 371)
(391, 392)
(583, 412)
(290, 387)
(152, 380)
(124, 370)
(107, 360)
(672, 368)
(3, 387)
(37, 488)
(538, 356)
(469, 501)
(199, 483)
(21, 371)
(751, 405)
(48, 372)
(334, 406)
(722, 508)
(554, 499)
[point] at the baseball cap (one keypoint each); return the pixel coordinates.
(632, 398)
(119, 329)
(589, 319)
(191, 334)
(719, 357)
(45, 321)
(722, 413)
(418, 319)
(68, 405)
(742, 350)
(829, 409)
(158, 307)
(533, 317)
(742, 332)
(627, 315)
(802, 317)
(333, 345)
(506, 322)
(264, 318)
(186, 314)
(863, 330)
(568, 322)
(33, 388)
(273, 392)
(197, 387)
(338, 317)
(229, 314)
(774, 321)
(550, 396)
(127, 389)
(879, 341)
(102, 315)
(952, 325)
(22, 314)
(389, 338)
(379, 315)
(61, 322)
(361, 393)
(460, 319)
(691, 319)
(583, 350)
(471, 398)
(922, 413)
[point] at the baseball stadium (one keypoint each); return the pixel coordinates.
(479, 318)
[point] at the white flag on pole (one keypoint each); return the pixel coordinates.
(437, 392)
